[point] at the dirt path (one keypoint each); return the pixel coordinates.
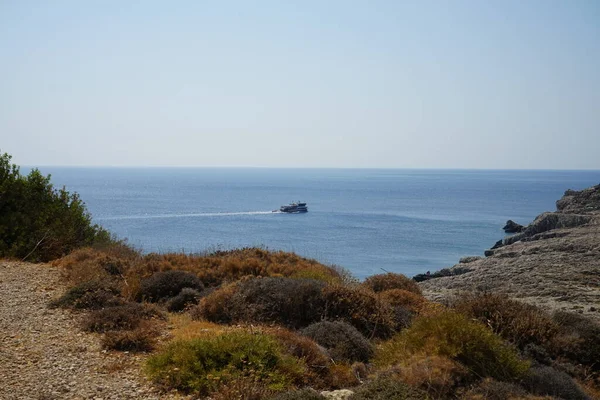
(43, 352)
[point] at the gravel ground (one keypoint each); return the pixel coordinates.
(44, 354)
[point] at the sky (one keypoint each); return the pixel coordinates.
(348, 84)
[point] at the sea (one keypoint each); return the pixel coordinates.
(369, 221)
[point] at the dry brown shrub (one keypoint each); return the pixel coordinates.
(122, 317)
(382, 282)
(245, 388)
(361, 308)
(88, 263)
(591, 386)
(437, 375)
(140, 339)
(90, 295)
(220, 267)
(216, 307)
(306, 349)
(404, 298)
(517, 322)
(342, 376)
(301, 347)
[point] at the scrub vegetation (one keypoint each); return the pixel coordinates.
(39, 222)
(257, 324)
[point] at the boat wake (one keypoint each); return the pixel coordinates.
(189, 215)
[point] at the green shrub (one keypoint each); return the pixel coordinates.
(202, 365)
(387, 388)
(517, 322)
(453, 335)
(578, 339)
(382, 282)
(184, 299)
(294, 303)
(290, 302)
(167, 284)
(404, 299)
(490, 389)
(91, 295)
(302, 394)
(39, 222)
(544, 380)
(361, 308)
(343, 341)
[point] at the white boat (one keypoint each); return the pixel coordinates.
(294, 208)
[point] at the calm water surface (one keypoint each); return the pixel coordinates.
(407, 221)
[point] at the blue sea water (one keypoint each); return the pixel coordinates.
(367, 220)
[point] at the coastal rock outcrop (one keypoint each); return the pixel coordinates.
(554, 262)
(583, 201)
(512, 227)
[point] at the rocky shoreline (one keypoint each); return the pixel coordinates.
(554, 262)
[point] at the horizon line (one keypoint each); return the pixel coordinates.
(307, 168)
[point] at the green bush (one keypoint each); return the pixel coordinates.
(185, 298)
(490, 389)
(294, 303)
(90, 295)
(387, 388)
(202, 365)
(343, 341)
(167, 284)
(453, 335)
(544, 380)
(578, 339)
(382, 282)
(39, 222)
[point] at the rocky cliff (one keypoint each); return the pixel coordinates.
(554, 262)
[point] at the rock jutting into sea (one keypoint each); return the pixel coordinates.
(554, 262)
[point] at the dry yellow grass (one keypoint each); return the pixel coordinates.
(182, 327)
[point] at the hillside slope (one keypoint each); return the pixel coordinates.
(553, 263)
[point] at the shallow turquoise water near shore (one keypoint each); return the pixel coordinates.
(368, 220)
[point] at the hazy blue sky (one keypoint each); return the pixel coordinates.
(433, 84)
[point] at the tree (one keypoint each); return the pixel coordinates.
(39, 222)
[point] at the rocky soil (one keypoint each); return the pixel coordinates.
(45, 355)
(554, 262)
